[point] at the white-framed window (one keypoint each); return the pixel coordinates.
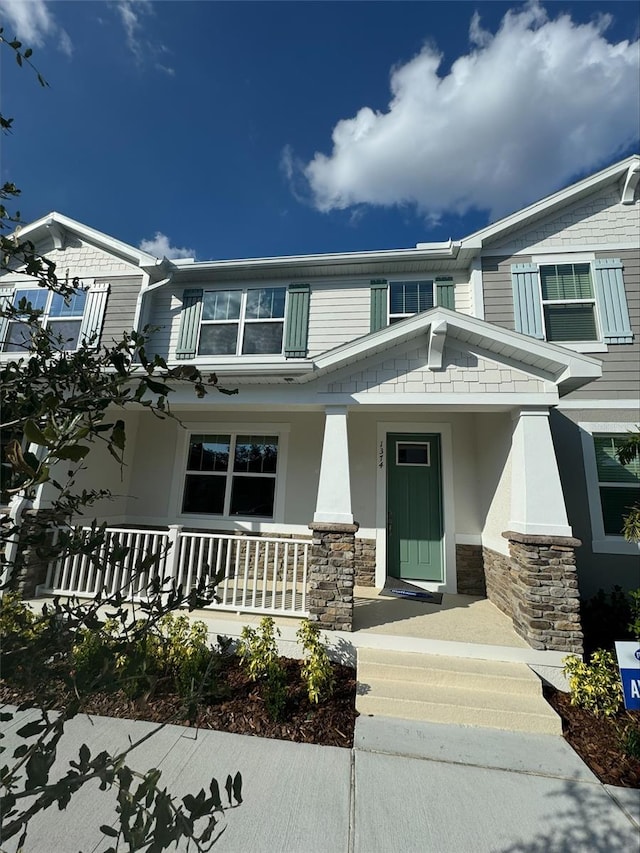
(407, 298)
(231, 474)
(568, 303)
(612, 488)
(413, 453)
(242, 322)
(63, 317)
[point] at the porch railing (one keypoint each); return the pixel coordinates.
(260, 574)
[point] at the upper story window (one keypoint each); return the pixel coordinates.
(407, 298)
(568, 303)
(580, 302)
(62, 317)
(242, 322)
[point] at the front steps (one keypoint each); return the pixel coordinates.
(439, 689)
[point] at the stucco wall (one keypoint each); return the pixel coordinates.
(595, 570)
(493, 436)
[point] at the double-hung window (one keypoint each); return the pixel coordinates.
(63, 318)
(568, 303)
(618, 485)
(242, 322)
(407, 298)
(579, 302)
(231, 474)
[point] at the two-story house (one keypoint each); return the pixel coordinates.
(446, 415)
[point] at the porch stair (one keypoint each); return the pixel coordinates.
(440, 689)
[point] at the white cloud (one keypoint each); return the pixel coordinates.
(132, 14)
(523, 112)
(161, 247)
(32, 22)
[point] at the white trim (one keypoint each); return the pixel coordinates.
(477, 290)
(563, 258)
(517, 251)
(468, 539)
(281, 430)
(587, 346)
(448, 505)
(613, 404)
(601, 543)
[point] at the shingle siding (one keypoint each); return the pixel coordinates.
(621, 364)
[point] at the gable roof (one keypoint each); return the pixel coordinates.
(626, 171)
(567, 369)
(55, 225)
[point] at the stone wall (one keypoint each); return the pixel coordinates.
(34, 552)
(331, 575)
(470, 570)
(497, 570)
(546, 601)
(365, 562)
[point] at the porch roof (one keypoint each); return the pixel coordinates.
(567, 369)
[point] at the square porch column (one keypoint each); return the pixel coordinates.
(332, 563)
(542, 591)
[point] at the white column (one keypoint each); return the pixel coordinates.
(537, 501)
(333, 504)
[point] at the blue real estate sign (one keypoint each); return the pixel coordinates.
(629, 663)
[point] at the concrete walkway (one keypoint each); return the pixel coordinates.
(405, 787)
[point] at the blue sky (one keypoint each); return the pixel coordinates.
(248, 129)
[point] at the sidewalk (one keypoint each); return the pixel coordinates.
(405, 787)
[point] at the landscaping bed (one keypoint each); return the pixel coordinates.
(597, 739)
(239, 710)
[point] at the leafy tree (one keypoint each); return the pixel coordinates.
(56, 405)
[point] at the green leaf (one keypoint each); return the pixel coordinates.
(34, 434)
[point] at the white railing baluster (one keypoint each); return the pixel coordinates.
(245, 560)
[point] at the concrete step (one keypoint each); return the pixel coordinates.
(440, 689)
(442, 671)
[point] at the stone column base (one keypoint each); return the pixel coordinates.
(331, 575)
(545, 602)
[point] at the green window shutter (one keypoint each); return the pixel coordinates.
(297, 325)
(94, 311)
(6, 295)
(446, 293)
(189, 324)
(379, 320)
(612, 302)
(526, 300)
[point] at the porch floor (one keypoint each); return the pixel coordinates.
(460, 618)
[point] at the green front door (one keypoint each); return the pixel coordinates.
(414, 507)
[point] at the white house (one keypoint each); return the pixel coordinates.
(446, 415)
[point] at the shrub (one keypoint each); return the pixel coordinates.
(258, 652)
(595, 686)
(317, 670)
(634, 606)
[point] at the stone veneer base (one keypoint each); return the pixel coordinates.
(331, 575)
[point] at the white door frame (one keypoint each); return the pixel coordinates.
(448, 504)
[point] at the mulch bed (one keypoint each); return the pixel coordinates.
(239, 710)
(597, 740)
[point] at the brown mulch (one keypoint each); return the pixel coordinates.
(597, 740)
(239, 710)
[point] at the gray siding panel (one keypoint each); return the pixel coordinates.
(121, 306)
(621, 364)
